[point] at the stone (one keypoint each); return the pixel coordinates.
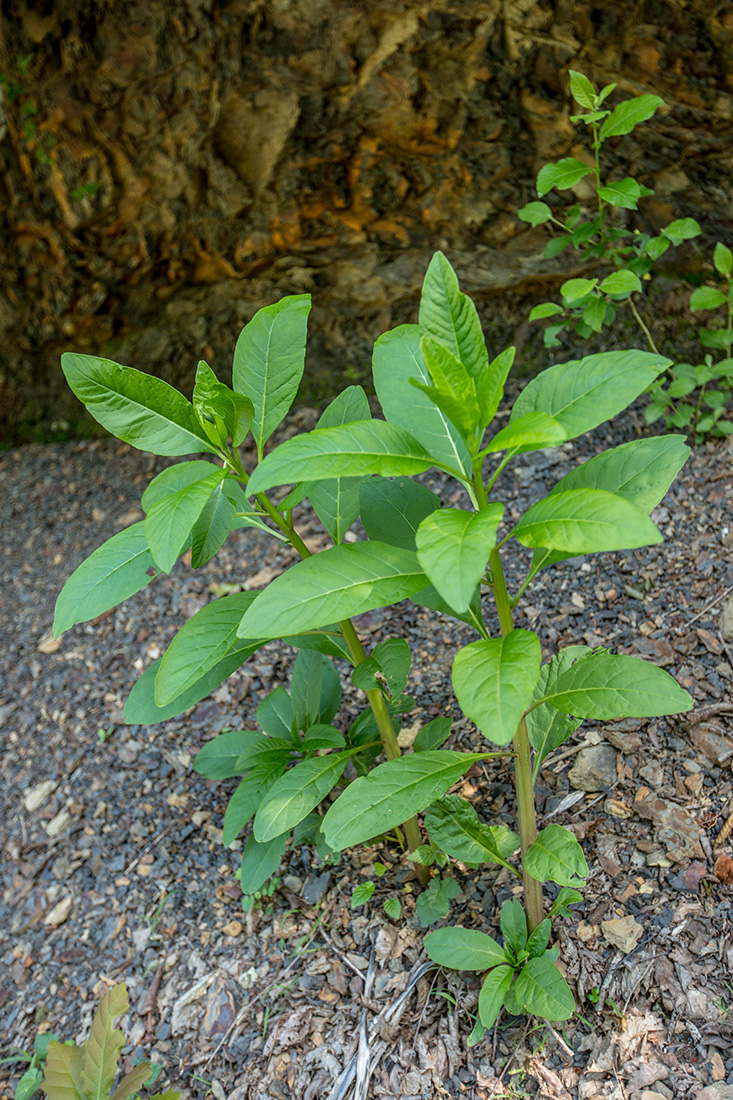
(57, 824)
(676, 830)
(315, 888)
(36, 796)
(718, 1091)
(594, 768)
(622, 932)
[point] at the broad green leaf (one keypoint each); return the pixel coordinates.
(397, 358)
(392, 509)
(723, 260)
(131, 1083)
(536, 213)
(360, 895)
(388, 665)
(567, 896)
(336, 501)
(275, 714)
(556, 856)
(626, 116)
(605, 686)
(169, 521)
(136, 407)
(392, 793)
(296, 793)
(584, 393)
(656, 247)
(28, 1084)
(352, 450)
(433, 904)
(576, 289)
(493, 991)
(211, 529)
(585, 521)
(494, 680)
(539, 939)
(463, 949)
(221, 411)
(720, 339)
(393, 908)
(641, 471)
(260, 861)
(200, 644)
(336, 584)
(581, 89)
(173, 478)
(453, 548)
(102, 1049)
(268, 362)
(320, 736)
(141, 708)
(62, 1078)
(491, 386)
(707, 297)
(315, 689)
(563, 174)
(621, 282)
(623, 193)
(220, 757)
(594, 312)
(454, 826)
(543, 310)
(547, 727)
(528, 433)
(433, 734)
(115, 571)
(429, 597)
(513, 922)
(450, 317)
(453, 389)
(685, 229)
(542, 991)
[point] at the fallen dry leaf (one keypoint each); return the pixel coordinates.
(723, 869)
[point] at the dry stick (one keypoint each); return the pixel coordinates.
(679, 629)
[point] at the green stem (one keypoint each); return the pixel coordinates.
(526, 814)
(596, 152)
(375, 697)
(639, 320)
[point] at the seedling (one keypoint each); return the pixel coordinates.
(439, 390)
(30, 1082)
(88, 1072)
(601, 235)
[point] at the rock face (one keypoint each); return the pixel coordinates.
(166, 169)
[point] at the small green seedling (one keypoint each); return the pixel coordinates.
(30, 1082)
(88, 1072)
(301, 774)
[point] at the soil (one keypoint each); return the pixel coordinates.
(115, 869)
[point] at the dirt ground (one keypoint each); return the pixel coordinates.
(114, 869)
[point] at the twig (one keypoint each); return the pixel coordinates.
(680, 629)
(724, 832)
(561, 1041)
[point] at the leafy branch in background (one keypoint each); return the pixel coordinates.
(603, 238)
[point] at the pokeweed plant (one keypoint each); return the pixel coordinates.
(88, 1072)
(439, 391)
(602, 237)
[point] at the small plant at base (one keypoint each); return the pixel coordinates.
(589, 304)
(88, 1072)
(30, 1081)
(439, 391)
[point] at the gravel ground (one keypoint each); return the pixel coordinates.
(113, 865)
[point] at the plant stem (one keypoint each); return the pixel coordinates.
(526, 815)
(652, 346)
(375, 697)
(596, 152)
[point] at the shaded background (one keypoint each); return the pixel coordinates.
(166, 168)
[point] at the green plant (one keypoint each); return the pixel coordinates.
(30, 1082)
(603, 238)
(439, 391)
(88, 1072)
